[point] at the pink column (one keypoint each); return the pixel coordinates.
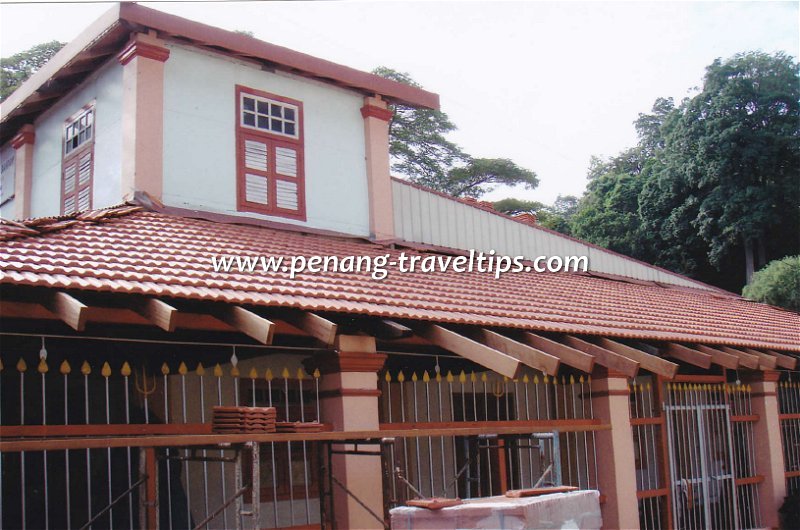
(376, 135)
(349, 400)
(615, 453)
(143, 115)
(23, 170)
(768, 444)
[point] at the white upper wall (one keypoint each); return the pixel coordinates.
(7, 181)
(425, 217)
(200, 140)
(104, 88)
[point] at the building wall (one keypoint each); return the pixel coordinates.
(200, 106)
(425, 217)
(7, 159)
(104, 87)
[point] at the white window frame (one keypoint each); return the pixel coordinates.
(283, 104)
(74, 127)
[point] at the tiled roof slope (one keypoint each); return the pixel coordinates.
(130, 250)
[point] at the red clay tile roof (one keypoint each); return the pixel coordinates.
(130, 250)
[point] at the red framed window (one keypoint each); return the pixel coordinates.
(270, 174)
(77, 163)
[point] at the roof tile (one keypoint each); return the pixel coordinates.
(130, 250)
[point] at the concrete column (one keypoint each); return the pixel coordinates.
(143, 115)
(23, 171)
(376, 134)
(615, 453)
(768, 445)
(349, 400)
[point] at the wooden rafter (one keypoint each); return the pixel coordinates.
(465, 347)
(745, 359)
(754, 361)
(318, 327)
(603, 356)
(720, 357)
(387, 329)
(568, 355)
(649, 362)
(764, 359)
(249, 323)
(159, 313)
(69, 309)
(687, 355)
(784, 361)
(533, 357)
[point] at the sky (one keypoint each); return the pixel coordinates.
(545, 84)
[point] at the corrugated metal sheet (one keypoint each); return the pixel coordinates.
(426, 217)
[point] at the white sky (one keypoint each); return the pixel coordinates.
(544, 84)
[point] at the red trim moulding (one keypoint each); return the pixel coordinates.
(373, 111)
(136, 48)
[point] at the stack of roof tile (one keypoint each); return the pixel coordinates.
(235, 420)
(298, 426)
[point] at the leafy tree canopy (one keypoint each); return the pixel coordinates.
(20, 66)
(778, 284)
(421, 151)
(711, 186)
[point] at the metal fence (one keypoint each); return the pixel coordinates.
(711, 445)
(646, 425)
(562, 453)
(98, 487)
(789, 414)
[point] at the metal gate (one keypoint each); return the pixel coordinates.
(701, 457)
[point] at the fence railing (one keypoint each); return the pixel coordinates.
(789, 414)
(490, 464)
(74, 397)
(646, 425)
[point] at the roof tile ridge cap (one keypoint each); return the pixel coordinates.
(476, 205)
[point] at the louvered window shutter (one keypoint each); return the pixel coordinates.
(270, 156)
(70, 176)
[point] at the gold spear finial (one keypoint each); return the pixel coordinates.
(126, 369)
(182, 369)
(105, 370)
(65, 368)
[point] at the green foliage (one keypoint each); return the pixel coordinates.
(778, 284)
(479, 175)
(421, 151)
(708, 179)
(734, 150)
(555, 217)
(20, 66)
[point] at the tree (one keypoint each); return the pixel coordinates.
(733, 157)
(20, 66)
(555, 217)
(716, 176)
(778, 284)
(421, 151)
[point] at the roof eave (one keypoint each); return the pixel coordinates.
(130, 15)
(60, 60)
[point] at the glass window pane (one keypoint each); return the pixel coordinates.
(249, 119)
(288, 128)
(276, 126)
(276, 110)
(263, 107)
(263, 122)
(288, 114)
(249, 104)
